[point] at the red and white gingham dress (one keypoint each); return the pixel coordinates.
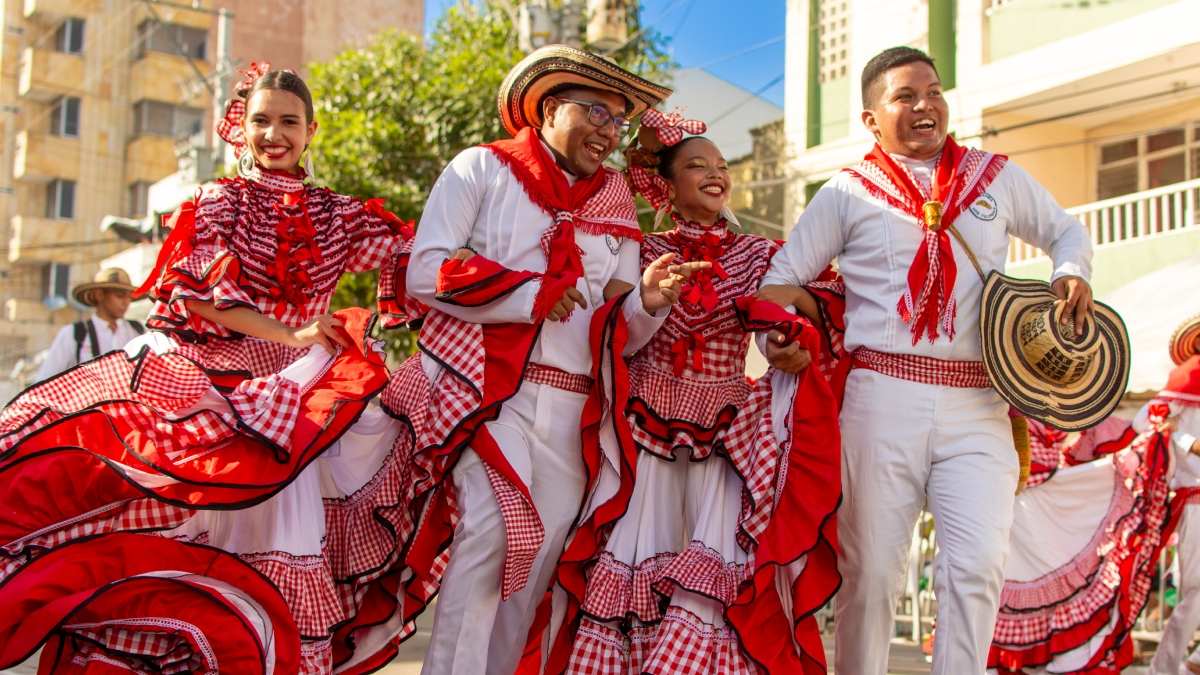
(656, 597)
(294, 501)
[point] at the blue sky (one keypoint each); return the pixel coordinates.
(704, 31)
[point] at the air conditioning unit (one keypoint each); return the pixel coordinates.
(56, 285)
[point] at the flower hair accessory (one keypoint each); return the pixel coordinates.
(671, 126)
(654, 188)
(229, 127)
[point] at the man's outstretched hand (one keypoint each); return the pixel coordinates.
(662, 282)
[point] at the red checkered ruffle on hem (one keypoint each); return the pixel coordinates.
(140, 603)
(150, 444)
(1091, 601)
(784, 526)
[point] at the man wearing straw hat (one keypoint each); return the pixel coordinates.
(107, 330)
(1175, 413)
(920, 422)
(521, 244)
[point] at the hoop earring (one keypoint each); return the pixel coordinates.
(245, 165)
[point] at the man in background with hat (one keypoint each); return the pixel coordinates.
(920, 421)
(520, 245)
(1175, 412)
(107, 330)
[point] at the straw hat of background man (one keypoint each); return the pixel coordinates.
(1185, 342)
(110, 292)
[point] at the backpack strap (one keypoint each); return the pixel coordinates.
(93, 339)
(80, 334)
(137, 326)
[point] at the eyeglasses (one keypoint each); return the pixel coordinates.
(599, 115)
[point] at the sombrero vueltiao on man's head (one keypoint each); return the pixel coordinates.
(1040, 366)
(555, 68)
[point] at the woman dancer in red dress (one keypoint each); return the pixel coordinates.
(203, 496)
(687, 582)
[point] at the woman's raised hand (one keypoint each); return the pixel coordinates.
(320, 330)
(662, 282)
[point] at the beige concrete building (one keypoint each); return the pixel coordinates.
(95, 97)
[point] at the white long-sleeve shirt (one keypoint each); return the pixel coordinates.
(875, 245)
(62, 350)
(478, 201)
(1187, 465)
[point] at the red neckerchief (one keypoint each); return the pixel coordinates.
(547, 186)
(930, 294)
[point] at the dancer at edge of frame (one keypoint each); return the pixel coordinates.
(1085, 544)
(1174, 415)
(184, 504)
(727, 498)
(921, 422)
(528, 260)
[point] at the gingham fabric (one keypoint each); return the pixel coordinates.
(1111, 576)
(308, 587)
(692, 372)
(291, 243)
(924, 369)
(651, 186)
(171, 645)
(670, 127)
(557, 378)
(685, 644)
(928, 298)
(229, 127)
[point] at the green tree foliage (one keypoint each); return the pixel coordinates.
(393, 114)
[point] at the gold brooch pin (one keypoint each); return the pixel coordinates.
(933, 215)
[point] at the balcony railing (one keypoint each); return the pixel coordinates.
(1131, 217)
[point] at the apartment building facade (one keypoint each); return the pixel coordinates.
(96, 99)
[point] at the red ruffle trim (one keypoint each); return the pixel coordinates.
(1121, 585)
(618, 592)
(1064, 582)
(669, 412)
(134, 598)
(307, 586)
(205, 274)
(90, 432)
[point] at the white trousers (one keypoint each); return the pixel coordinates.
(903, 444)
(1184, 621)
(474, 632)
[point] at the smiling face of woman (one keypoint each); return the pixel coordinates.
(699, 180)
(277, 129)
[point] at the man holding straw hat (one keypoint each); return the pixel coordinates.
(109, 292)
(916, 227)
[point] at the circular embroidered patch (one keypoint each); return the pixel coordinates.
(985, 207)
(614, 243)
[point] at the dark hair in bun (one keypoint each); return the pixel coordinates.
(282, 80)
(669, 154)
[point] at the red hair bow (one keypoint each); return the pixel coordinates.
(651, 186)
(670, 127)
(229, 127)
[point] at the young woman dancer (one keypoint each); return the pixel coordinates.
(687, 582)
(207, 432)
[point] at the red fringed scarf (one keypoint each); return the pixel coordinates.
(594, 204)
(960, 176)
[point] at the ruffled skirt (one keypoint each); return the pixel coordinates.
(157, 518)
(685, 559)
(1084, 545)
